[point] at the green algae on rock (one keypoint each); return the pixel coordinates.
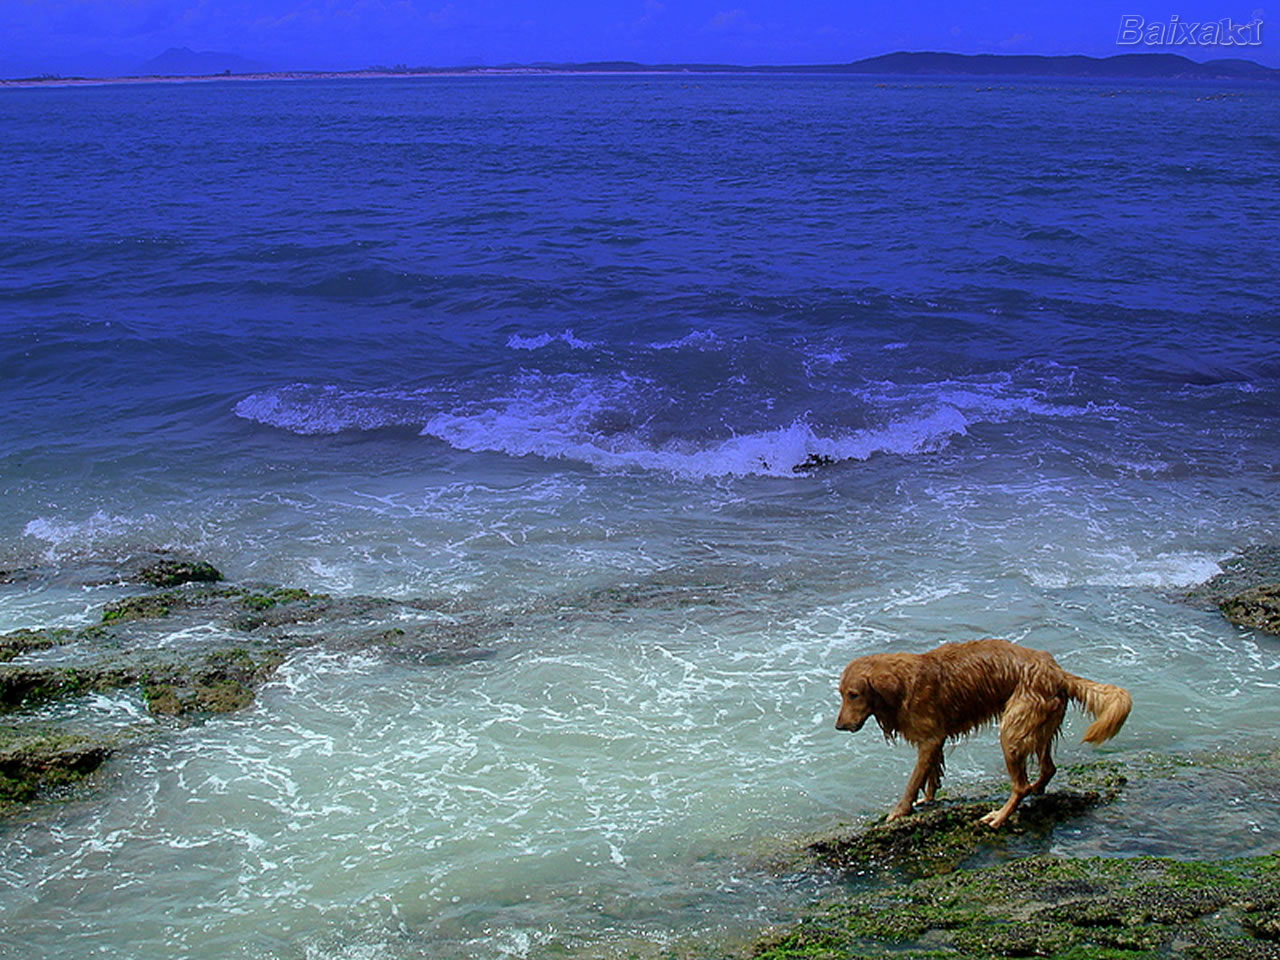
(939, 838)
(1051, 906)
(173, 686)
(930, 898)
(1252, 567)
(222, 682)
(172, 572)
(1257, 608)
(37, 763)
(15, 644)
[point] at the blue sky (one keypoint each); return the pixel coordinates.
(115, 35)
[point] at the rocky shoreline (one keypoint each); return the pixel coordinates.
(234, 637)
(936, 884)
(940, 885)
(924, 887)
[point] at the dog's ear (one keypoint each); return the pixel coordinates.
(886, 685)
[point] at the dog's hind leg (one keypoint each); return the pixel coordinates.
(933, 779)
(1044, 751)
(928, 771)
(1021, 734)
(1016, 762)
(1047, 768)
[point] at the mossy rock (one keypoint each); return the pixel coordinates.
(281, 595)
(1257, 608)
(22, 687)
(174, 573)
(151, 607)
(223, 682)
(15, 644)
(217, 682)
(1046, 906)
(37, 764)
(939, 838)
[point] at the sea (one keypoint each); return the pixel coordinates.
(694, 387)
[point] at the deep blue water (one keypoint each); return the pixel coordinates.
(807, 250)
(882, 361)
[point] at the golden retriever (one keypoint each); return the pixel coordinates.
(927, 698)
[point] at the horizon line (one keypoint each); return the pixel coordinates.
(1243, 68)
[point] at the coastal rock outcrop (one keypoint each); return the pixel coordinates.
(1258, 608)
(38, 762)
(927, 886)
(192, 649)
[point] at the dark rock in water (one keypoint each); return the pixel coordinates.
(813, 462)
(174, 573)
(30, 686)
(13, 645)
(222, 682)
(1251, 567)
(35, 763)
(1093, 908)
(1258, 608)
(939, 838)
(199, 648)
(172, 685)
(1088, 908)
(142, 608)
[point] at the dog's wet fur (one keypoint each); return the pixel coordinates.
(928, 698)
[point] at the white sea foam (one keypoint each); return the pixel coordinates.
(697, 339)
(538, 341)
(56, 531)
(604, 421)
(1162, 571)
(312, 409)
(560, 428)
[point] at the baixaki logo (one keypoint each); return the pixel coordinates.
(1176, 32)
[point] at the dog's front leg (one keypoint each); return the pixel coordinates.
(928, 767)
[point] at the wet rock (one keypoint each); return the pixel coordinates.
(172, 685)
(1257, 608)
(1252, 567)
(814, 461)
(171, 572)
(242, 607)
(1045, 906)
(14, 645)
(142, 608)
(939, 838)
(36, 764)
(1039, 904)
(22, 687)
(199, 648)
(222, 682)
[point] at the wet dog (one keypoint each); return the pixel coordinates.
(928, 698)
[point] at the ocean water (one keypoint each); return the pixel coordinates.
(695, 387)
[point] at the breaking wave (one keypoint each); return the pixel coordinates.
(624, 422)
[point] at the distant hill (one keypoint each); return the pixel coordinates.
(185, 62)
(1133, 65)
(1124, 65)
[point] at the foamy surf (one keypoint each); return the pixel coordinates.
(632, 422)
(785, 452)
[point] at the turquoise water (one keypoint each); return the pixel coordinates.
(695, 388)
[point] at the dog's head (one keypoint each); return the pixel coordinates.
(867, 687)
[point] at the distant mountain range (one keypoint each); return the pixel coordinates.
(185, 62)
(1124, 65)
(1168, 65)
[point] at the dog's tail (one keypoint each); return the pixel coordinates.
(1109, 704)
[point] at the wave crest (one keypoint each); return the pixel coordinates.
(626, 422)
